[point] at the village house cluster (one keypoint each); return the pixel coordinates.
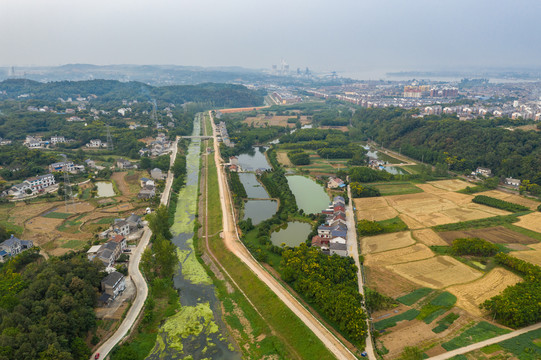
(37, 142)
(331, 236)
(117, 236)
(31, 186)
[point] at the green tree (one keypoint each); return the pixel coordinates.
(158, 222)
(411, 353)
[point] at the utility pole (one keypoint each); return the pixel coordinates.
(110, 145)
(68, 193)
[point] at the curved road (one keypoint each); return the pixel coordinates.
(136, 276)
(234, 245)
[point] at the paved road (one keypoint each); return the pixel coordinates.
(354, 252)
(482, 344)
(234, 245)
(137, 278)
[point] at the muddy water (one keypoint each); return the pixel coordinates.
(196, 331)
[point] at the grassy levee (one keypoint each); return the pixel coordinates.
(286, 333)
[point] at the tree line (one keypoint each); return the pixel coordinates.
(47, 307)
(518, 305)
(461, 145)
(329, 283)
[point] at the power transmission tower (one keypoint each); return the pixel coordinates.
(68, 193)
(110, 145)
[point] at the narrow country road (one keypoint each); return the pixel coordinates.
(136, 276)
(484, 343)
(234, 245)
(353, 251)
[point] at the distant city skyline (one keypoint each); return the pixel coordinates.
(347, 36)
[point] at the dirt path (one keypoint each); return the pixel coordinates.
(234, 245)
(118, 177)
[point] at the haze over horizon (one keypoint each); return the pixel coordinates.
(347, 36)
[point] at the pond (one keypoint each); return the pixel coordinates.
(293, 234)
(311, 197)
(105, 189)
(395, 170)
(253, 188)
(254, 159)
(259, 210)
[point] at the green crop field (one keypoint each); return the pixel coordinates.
(399, 188)
(56, 215)
(414, 296)
(390, 322)
(479, 332)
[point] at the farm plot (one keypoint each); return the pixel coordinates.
(512, 198)
(274, 120)
(436, 272)
(471, 295)
(496, 235)
(407, 254)
(530, 221)
(531, 256)
(374, 209)
(387, 282)
(441, 207)
(429, 237)
(385, 242)
(450, 185)
(387, 189)
(283, 159)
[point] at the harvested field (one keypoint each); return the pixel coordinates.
(385, 242)
(471, 295)
(428, 237)
(375, 209)
(283, 159)
(407, 254)
(410, 222)
(531, 256)
(388, 283)
(512, 198)
(436, 272)
(274, 120)
(497, 235)
(530, 221)
(437, 207)
(450, 185)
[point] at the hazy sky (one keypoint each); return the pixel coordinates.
(344, 35)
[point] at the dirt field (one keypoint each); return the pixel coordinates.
(436, 207)
(516, 199)
(274, 120)
(428, 237)
(385, 242)
(417, 333)
(388, 282)
(374, 209)
(531, 256)
(403, 255)
(450, 185)
(531, 221)
(437, 272)
(283, 159)
(497, 235)
(471, 295)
